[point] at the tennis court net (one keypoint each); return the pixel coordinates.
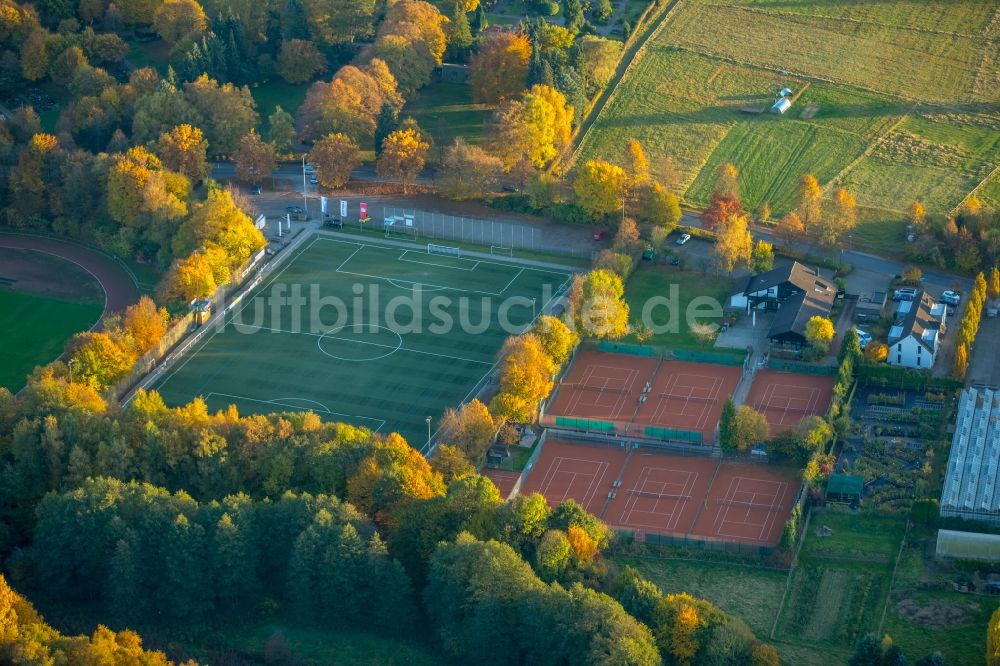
(650, 493)
(769, 407)
(752, 505)
(691, 398)
(630, 390)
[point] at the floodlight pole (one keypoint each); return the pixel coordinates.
(70, 364)
(428, 420)
(305, 205)
(533, 315)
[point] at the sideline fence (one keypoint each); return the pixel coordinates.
(802, 368)
(696, 543)
(664, 353)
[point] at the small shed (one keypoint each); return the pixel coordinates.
(781, 105)
(844, 488)
(785, 92)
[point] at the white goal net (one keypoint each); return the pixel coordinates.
(444, 249)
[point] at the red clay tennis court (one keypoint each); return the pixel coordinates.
(688, 396)
(636, 392)
(686, 496)
(503, 479)
(747, 504)
(785, 398)
(584, 473)
(660, 493)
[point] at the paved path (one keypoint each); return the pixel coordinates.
(120, 288)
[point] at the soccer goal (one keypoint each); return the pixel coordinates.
(444, 249)
(500, 249)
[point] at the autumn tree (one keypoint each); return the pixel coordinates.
(600, 187)
(526, 372)
(790, 230)
(602, 312)
(255, 159)
(335, 157)
(627, 240)
(467, 171)
(411, 41)
(218, 224)
(451, 463)
(841, 217)
(281, 129)
(733, 246)
(659, 207)
(636, 164)
(299, 61)
(98, 360)
(727, 182)
(960, 365)
(35, 55)
(762, 257)
(600, 57)
(188, 279)
(403, 155)
(819, 333)
(556, 337)
(470, 428)
(183, 149)
(749, 427)
(876, 352)
(178, 19)
(810, 208)
(229, 111)
(721, 207)
(143, 325)
(993, 285)
(993, 639)
(917, 214)
(499, 68)
(536, 127)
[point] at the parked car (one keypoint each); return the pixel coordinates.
(904, 294)
(599, 235)
(951, 297)
(255, 189)
(314, 180)
(309, 168)
(864, 337)
(294, 210)
(683, 239)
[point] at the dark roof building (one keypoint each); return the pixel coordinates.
(796, 293)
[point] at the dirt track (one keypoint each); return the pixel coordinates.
(119, 288)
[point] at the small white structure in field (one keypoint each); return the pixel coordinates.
(785, 92)
(781, 105)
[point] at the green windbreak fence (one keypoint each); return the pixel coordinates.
(801, 368)
(585, 424)
(624, 348)
(709, 357)
(674, 435)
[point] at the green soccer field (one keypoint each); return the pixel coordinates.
(376, 336)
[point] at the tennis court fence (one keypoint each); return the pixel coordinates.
(613, 440)
(801, 368)
(665, 353)
(695, 543)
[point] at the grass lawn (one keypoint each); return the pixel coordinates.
(899, 106)
(649, 281)
(961, 642)
(277, 92)
(447, 111)
(841, 582)
(153, 54)
(750, 593)
(421, 340)
(35, 329)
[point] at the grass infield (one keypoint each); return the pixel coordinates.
(417, 333)
(35, 329)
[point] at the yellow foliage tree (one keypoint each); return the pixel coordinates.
(144, 325)
(535, 127)
(526, 372)
(499, 68)
(961, 362)
(600, 187)
(636, 163)
(684, 643)
(403, 155)
(993, 287)
(584, 548)
(335, 157)
(557, 338)
(727, 183)
(183, 149)
(176, 19)
(876, 352)
(810, 202)
(98, 360)
(993, 640)
(819, 333)
(602, 311)
(734, 244)
(189, 279)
